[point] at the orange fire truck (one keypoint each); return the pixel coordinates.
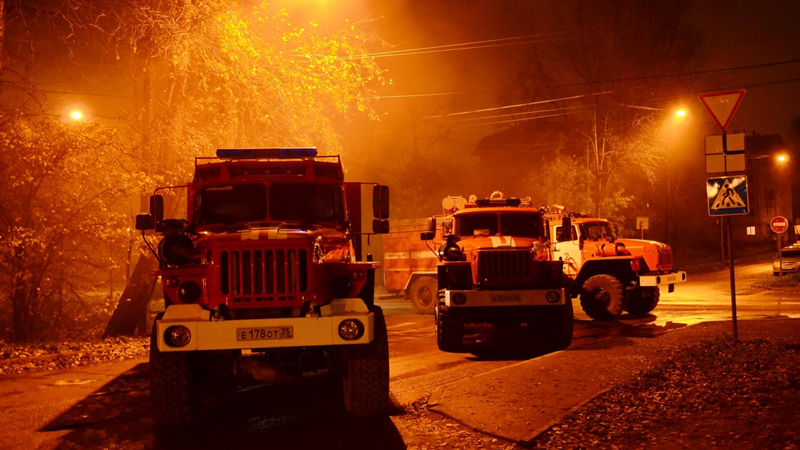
(409, 266)
(264, 277)
(496, 266)
(611, 274)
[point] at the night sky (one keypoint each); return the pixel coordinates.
(735, 33)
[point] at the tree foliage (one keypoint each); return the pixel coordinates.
(62, 213)
(204, 74)
(607, 71)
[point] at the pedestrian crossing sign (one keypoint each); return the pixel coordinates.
(727, 196)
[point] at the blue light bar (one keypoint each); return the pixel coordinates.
(263, 153)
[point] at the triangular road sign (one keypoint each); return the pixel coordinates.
(722, 106)
(728, 198)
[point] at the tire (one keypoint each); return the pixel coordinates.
(449, 332)
(554, 324)
(602, 297)
(171, 385)
(559, 326)
(365, 380)
(423, 294)
(642, 300)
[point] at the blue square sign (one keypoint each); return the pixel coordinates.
(727, 196)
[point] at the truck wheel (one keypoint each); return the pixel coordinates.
(642, 300)
(171, 384)
(449, 332)
(558, 327)
(366, 377)
(423, 294)
(602, 297)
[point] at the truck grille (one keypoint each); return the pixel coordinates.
(253, 272)
(665, 257)
(500, 265)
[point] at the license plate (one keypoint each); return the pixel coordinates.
(264, 333)
(506, 298)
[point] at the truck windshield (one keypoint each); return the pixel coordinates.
(308, 202)
(468, 224)
(520, 224)
(230, 204)
(597, 230)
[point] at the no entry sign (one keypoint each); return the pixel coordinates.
(779, 224)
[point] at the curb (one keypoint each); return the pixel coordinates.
(528, 440)
(436, 397)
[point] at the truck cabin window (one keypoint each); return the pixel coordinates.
(597, 230)
(520, 225)
(306, 202)
(476, 225)
(230, 204)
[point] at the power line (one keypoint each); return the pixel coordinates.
(520, 105)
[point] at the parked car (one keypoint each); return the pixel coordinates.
(788, 261)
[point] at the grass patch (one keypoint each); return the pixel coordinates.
(789, 280)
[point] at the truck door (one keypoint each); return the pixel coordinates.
(568, 250)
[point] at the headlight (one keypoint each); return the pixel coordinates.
(178, 336)
(176, 250)
(459, 298)
(552, 297)
(189, 292)
(351, 329)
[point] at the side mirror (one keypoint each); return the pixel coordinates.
(145, 222)
(380, 202)
(432, 225)
(380, 226)
(566, 229)
(426, 236)
(157, 208)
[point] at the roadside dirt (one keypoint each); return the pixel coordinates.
(714, 394)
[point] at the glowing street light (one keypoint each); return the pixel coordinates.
(76, 114)
(680, 113)
(782, 158)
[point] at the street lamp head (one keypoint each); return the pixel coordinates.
(680, 113)
(76, 114)
(782, 158)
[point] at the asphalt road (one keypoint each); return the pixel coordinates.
(107, 405)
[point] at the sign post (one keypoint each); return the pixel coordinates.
(779, 225)
(727, 199)
(642, 223)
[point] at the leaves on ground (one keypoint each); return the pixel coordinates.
(19, 358)
(716, 394)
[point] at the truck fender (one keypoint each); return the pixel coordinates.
(414, 277)
(619, 268)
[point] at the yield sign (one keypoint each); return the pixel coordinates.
(722, 106)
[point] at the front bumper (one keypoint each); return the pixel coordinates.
(226, 334)
(788, 267)
(529, 297)
(662, 280)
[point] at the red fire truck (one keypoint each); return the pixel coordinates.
(265, 273)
